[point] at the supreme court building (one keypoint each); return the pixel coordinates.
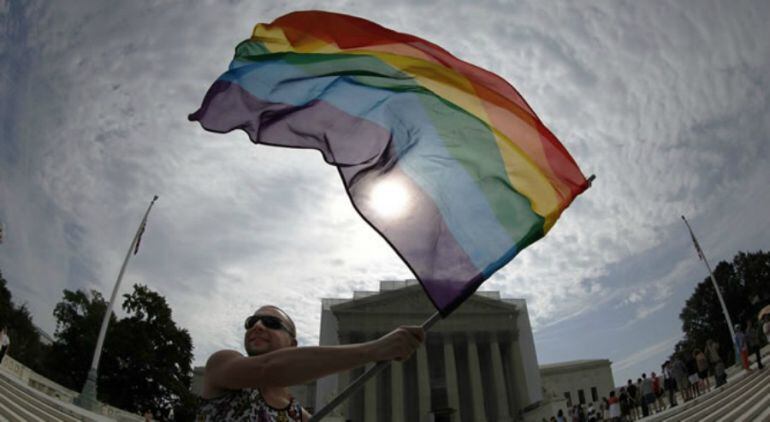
(477, 365)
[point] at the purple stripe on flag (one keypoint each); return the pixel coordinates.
(419, 233)
(228, 106)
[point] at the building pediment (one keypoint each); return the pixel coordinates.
(410, 305)
(412, 299)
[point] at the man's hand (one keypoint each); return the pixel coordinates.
(397, 345)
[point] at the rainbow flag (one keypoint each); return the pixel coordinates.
(444, 159)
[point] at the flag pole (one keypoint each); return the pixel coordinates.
(714, 282)
(374, 370)
(87, 398)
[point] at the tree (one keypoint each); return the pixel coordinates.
(743, 283)
(25, 340)
(146, 359)
(78, 319)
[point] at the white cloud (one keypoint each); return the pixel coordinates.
(647, 354)
(666, 103)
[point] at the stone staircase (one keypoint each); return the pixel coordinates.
(19, 402)
(28, 396)
(745, 397)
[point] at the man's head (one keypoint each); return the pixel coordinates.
(268, 329)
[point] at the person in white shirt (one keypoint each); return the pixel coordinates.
(766, 327)
(614, 404)
(5, 342)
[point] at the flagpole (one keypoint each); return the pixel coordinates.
(87, 398)
(714, 282)
(374, 370)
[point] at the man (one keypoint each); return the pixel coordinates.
(742, 346)
(647, 396)
(766, 326)
(614, 407)
(5, 342)
(669, 383)
(703, 370)
(591, 413)
(631, 390)
(679, 372)
(715, 360)
(254, 387)
(657, 389)
(752, 341)
(692, 374)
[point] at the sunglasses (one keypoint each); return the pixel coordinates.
(269, 321)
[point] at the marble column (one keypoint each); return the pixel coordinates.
(423, 383)
(477, 392)
(370, 389)
(501, 395)
(450, 368)
(370, 398)
(519, 381)
(343, 379)
(397, 391)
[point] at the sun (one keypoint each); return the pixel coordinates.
(389, 199)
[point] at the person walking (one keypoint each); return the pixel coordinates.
(591, 413)
(669, 383)
(625, 405)
(679, 370)
(647, 395)
(752, 340)
(743, 347)
(703, 369)
(560, 416)
(715, 360)
(5, 342)
(631, 390)
(614, 407)
(692, 375)
(657, 390)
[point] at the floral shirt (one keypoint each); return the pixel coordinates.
(246, 405)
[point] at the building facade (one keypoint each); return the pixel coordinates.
(479, 364)
(578, 382)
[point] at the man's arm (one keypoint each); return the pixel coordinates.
(230, 370)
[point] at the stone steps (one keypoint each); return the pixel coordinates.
(19, 402)
(754, 405)
(746, 397)
(723, 401)
(12, 407)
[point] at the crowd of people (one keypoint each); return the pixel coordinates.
(649, 394)
(684, 377)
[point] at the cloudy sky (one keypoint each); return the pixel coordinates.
(668, 103)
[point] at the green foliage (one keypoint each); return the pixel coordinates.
(146, 359)
(743, 283)
(78, 319)
(25, 340)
